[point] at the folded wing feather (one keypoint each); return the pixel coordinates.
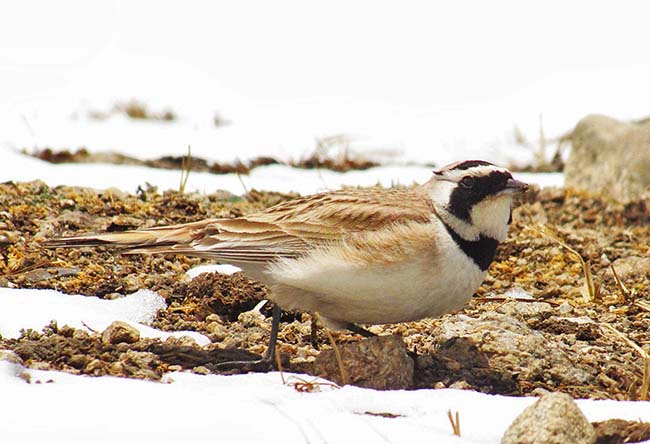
(284, 231)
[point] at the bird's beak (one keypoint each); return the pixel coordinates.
(515, 186)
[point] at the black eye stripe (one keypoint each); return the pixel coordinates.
(462, 198)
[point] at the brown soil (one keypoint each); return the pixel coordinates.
(134, 110)
(562, 341)
(83, 155)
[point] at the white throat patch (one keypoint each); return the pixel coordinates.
(490, 216)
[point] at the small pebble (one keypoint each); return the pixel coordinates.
(565, 308)
(213, 318)
(120, 331)
(201, 370)
(553, 419)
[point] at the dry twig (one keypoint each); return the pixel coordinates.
(345, 379)
(455, 422)
(506, 299)
(625, 293)
(301, 385)
(186, 167)
(645, 384)
(643, 305)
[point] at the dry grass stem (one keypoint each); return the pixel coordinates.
(345, 379)
(506, 299)
(629, 342)
(186, 167)
(92, 330)
(645, 384)
(643, 305)
(241, 181)
(625, 293)
(454, 419)
(27, 269)
(278, 362)
(301, 385)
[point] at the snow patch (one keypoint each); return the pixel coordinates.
(34, 309)
(212, 268)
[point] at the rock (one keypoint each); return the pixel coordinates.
(11, 357)
(525, 310)
(380, 363)
(505, 350)
(252, 318)
(565, 308)
(80, 335)
(610, 157)
(143, 365)
(631, 266)
(614, 431)
(201, 370)
(9, 237)
(6, 283)
(181, 341)
(217, 332)
(213, 317)
(78, 361)
(40, 365)
(552, 419)
(132, 283)
(120, 331)
(38, 275)
(95, 367)
(45, 274)
(12, 364)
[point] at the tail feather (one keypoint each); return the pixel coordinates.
(126, 240)
(156, 237)
(219, 239)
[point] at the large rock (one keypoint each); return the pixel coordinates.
(610, 157)
(553, 419)
(380, 363)
(518, 346)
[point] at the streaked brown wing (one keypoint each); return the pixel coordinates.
(286, 230)
(291, 228)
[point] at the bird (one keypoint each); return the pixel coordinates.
(354, 256)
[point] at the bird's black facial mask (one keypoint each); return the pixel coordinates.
(473, 189)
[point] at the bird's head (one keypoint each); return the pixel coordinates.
(474, 198)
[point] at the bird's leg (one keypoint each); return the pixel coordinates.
(354, 328)
(269, 356)
(313, 334)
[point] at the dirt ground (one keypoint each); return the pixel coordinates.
(560, 340)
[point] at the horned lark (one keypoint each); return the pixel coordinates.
(362, 256)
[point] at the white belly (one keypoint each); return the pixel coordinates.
(415, 288)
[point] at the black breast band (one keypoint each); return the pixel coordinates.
(481, 251)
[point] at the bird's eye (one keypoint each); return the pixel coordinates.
(467, 182)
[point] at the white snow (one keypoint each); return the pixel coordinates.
(255, 408)
(424, 83)
(212, 268)
(409, 85)
(281, 178)
(30, 308)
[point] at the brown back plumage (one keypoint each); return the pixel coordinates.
(285, 230)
